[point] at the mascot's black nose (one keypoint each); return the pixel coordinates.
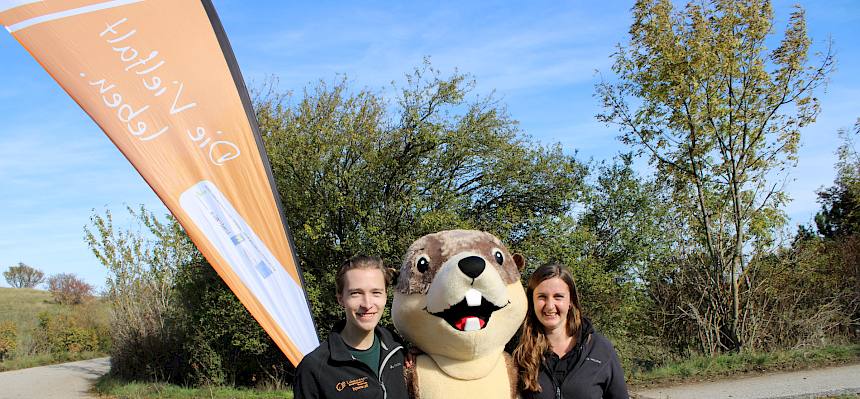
(472, 266)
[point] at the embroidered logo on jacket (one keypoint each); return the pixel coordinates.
(355, 385)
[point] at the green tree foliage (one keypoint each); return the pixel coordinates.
(629, 230)
(840, 204)
(173, 317)
(629, 218)
(838, 224)
(357, 174)
(23, 276)
(220, 341)
(718, 115)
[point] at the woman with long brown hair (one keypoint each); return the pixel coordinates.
(559, 353)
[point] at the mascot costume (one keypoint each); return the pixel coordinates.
(459, 300)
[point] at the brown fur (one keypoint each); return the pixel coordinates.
(513, 374)
(438, 247)
(412, 380)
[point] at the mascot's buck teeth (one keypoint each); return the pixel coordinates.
(473, 297)
(472, 323)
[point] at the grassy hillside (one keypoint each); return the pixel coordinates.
(23, 307)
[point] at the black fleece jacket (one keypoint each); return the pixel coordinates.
(331, 372)
(590, 371)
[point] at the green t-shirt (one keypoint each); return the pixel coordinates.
(369, 356)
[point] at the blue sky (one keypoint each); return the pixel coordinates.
(56, 165)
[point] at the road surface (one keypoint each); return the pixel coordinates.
(816, 383)
(58, 381)
(73, 381)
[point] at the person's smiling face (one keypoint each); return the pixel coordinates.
(363, 298)
(552, 303)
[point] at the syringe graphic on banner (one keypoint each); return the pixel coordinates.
(262, 267)
(249, 253)
(252, 261)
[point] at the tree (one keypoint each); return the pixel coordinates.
(838, 222)
(718, 116)
(840, 203)
(356, 174)
(219, 338)
(23, 276)
(66, 288)
(630, 229)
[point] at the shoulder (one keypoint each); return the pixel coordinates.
(312, 361)
(599, 339)
(389, 337)
(601, 348)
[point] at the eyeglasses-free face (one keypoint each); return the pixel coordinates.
(363, 298)
(552, 303)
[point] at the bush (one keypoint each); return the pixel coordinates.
(69, 289)
(823, 304)
(222, 343)
(8, 339)
(60, 333)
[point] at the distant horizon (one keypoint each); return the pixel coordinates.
(540, 61)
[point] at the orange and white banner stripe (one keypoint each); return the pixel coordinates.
(160, 79)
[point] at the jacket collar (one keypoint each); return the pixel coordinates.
(340, 351)
(585, 331)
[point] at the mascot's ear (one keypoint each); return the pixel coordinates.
(520, 261)
(395, 274)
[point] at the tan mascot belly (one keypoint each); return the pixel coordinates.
(459, 299)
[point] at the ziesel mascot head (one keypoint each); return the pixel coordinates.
(459, 299)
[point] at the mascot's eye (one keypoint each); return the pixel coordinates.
(423, 265)
(499, 258)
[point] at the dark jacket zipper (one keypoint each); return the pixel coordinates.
(382, 368)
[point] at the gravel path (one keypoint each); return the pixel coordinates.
(66, 381)
(789, 385)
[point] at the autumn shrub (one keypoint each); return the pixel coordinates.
(65, 333)
(812, 294)
(68, 289)
(8, 339)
